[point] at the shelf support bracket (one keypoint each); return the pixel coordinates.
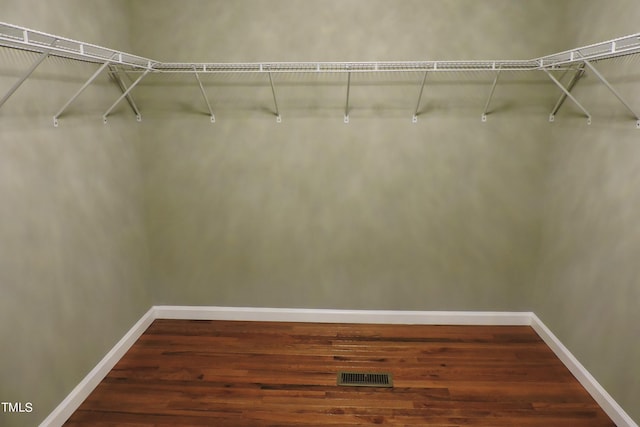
(568, 94)
(44, 55)
(415, 113)
(125, 94)
(204, 94)
(574, 80)
(614, 91)
(275, 101)
(123, 88)
(493, 88)
(79, 91)
(346, 108)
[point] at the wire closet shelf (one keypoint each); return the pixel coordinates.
(576, 60)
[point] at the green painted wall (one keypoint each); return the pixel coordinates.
(73, 251)
(377, 214)
(380, 213)
(588, 284)
(99, 222)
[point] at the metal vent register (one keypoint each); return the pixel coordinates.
(365, 379)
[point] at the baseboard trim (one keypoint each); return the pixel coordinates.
(599, 394)
(343, 316)
(78, 395)
(86, 386)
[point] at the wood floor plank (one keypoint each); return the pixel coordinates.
(230, 373)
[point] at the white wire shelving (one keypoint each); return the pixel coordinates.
(576, 61)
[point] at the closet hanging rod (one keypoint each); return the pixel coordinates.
(17, 37)
(348, 67)
(615, 48)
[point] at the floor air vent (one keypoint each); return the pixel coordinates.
(365, 379)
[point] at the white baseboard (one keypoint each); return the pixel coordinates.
(343, 316)
(599, 394)
(78, 395)
(86, 386)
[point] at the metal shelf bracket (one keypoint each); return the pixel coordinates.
(415, 113)
(568, 94)
(78, 92)
(125, 94)
(275, 100)
(44, 55)
(116, 77)
(614, 91)
(346, 108)
(204, 95)
(574, 80)
(493, 88)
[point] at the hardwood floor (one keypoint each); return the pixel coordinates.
(220, 373)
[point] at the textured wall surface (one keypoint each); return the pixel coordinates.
(97, 222)
(348, 30)
(589, 278)
(312, 212)
(378, 214)
(73, 252)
